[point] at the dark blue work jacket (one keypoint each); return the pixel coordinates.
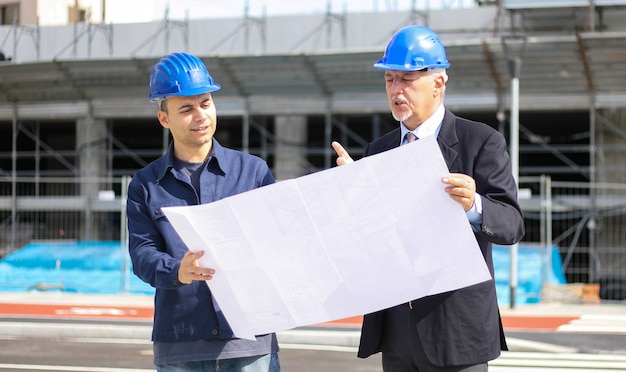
(182, 312)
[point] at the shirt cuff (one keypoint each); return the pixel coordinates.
(475, 214)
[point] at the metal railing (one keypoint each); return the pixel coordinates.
(586, 222)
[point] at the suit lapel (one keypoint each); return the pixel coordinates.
(394, 140)
(447, 139)
(389, 141)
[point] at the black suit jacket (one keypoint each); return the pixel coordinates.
(463, 326)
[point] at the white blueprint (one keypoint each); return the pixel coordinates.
(334, 244)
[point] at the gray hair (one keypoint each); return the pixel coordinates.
(440, 72)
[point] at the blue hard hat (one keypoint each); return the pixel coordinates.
(413, 48)
(180, 74)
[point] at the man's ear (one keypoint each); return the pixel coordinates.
(439, 83)
(163, 119)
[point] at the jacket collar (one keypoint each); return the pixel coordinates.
(218, 157)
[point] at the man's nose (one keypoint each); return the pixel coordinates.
(396, 86)
(198, 114)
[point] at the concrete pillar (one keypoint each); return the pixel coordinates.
(609, 226)
(611, 146)
(291, 146)
(91, 145)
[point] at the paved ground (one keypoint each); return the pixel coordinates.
(138, 309)
(127, 319)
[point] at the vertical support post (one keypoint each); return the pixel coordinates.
(37, 160)
(245, 130)
(548, 186)
(514, 153)
(328, 130)
(13, 239)
(124, 257)
(592, 224)
(513, 47)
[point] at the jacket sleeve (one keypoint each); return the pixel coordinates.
(503, 222)
(151, 262)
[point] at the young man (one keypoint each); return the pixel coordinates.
(190, 332)
(457, 331)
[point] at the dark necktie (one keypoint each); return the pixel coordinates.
(410, 137)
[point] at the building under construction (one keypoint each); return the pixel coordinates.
(75, 122)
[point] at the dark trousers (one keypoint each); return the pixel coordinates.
(402, 350)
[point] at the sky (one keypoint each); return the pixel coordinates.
(126, 11)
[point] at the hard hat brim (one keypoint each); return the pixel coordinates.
(187, 92)
(387, 66)
(199, 90)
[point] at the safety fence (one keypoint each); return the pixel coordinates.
(579, 227)
(60, 208)
(587, 224)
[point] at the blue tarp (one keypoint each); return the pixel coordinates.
(88, 267)
(532, 272)
(94, 267)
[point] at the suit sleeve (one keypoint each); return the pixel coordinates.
(503, 222)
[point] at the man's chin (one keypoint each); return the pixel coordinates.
(401, 117)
